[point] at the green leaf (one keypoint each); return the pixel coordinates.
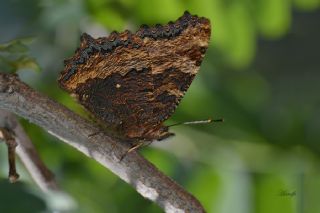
(273, 17)
(241, 49)
(17, 64)
(14, 56)
(113, 20)
(26, 62)
(17, 45)
(149, 12)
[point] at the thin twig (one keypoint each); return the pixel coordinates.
(27, 153)
(8, 136)
(72, 129)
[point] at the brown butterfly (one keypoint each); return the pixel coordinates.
(133, 82)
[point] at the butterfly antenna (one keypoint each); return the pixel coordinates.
(198, 122)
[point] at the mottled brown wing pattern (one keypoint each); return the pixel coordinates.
(134, 82)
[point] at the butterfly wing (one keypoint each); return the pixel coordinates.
(133, 82)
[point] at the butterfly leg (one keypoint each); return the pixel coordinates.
(167, 135)
(134, 147)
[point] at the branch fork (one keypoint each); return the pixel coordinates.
(9, 139)
(18, 98)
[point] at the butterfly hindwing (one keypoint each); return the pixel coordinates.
(133, 82)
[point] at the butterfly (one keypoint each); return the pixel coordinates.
(133, 82)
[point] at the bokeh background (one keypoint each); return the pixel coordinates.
(261, 74)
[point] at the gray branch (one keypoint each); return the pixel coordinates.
(18, 98)
(27, 153)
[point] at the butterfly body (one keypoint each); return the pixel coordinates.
(133, 82)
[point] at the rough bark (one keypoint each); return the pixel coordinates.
(18, 98)
(28, 154)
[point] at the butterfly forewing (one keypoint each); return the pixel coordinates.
(133, 82)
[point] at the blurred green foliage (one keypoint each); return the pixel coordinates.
(24, 201)
(261, 73)
(14, 56)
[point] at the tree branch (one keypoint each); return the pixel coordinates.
(8, 136)
(72, 129)
(28, 154)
